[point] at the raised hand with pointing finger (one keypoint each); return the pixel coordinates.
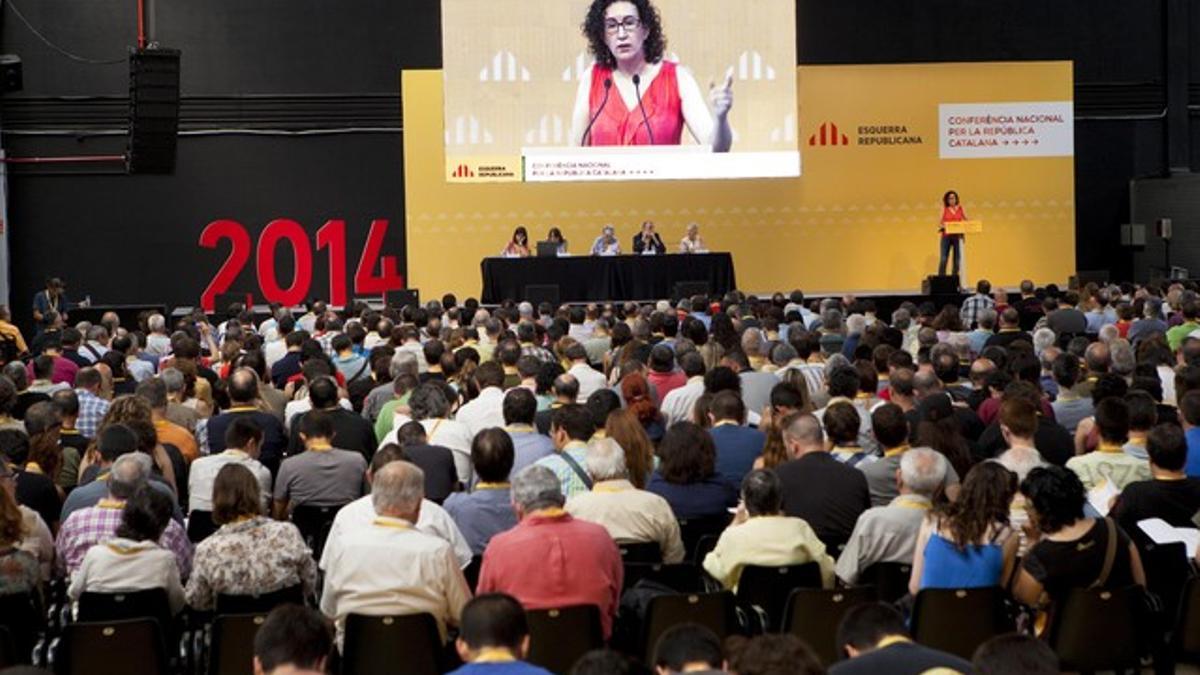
(721, 97)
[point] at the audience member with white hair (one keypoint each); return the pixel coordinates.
(392, 567)
(1123, 360)
(158, 342)
(889, 533)
(630, 515)
(1043, 339)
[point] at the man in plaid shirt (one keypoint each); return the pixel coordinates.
(527, 335)
(87, 527)
(974, 306)
(92, 408)
(571, 426)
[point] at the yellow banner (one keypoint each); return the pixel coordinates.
(863, 218)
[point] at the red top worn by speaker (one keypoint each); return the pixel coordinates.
(952, 214)
(621, 125)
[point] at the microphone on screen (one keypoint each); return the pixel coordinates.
(637, 88)
(586, 132)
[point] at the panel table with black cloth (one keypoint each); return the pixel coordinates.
(600, 278)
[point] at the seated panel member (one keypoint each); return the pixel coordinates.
(692, 242)
(647, 241)
(518, 246)
(555, 235)
(606, 244)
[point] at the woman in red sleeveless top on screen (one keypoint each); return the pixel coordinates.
(952, 212)
(631, 95)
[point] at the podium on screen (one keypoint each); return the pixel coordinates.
(965, 227)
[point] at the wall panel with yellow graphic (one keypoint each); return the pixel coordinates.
(863, 218)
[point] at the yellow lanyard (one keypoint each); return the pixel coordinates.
(393, 523)
(494, 655)
(891, 640)
(493, 486)
(552, 512)
(609, 488)
(320, 447)
(910, 504)
(114, 504)
(896, 451)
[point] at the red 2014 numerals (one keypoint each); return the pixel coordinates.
(376, 273)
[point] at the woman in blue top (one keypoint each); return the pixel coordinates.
(968, 543)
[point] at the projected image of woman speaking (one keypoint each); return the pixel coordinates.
(632, 95)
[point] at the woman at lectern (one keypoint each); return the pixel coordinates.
(952, 212)
(654, 97)
(518, 246)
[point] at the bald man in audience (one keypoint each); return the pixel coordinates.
(827, 494)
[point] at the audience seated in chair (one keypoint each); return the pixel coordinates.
(550, 559)
(293, 640)
(132, 559)
(888, 534)
(1067, 549)
(875, 639)
(688, 647)
(968, 543)
(391, 567)
(762, 535)
(494, 638)
(486, 510)
(250, 554)
(630, 515)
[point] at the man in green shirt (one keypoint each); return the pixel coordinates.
(1176, 335)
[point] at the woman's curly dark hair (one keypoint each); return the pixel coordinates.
(593, 29)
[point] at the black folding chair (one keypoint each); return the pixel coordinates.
(813, 615)
(471, 572)
(200, 526)
(380, 644)
(959, 620)
(111, 648)
(716, 611)
(231, 646)
(640, 552)
(890, 580)
(262, 603)
(558, 637)
(20, 620)
(704, 546)
(1098, 629)
(1187, 630)
(764, 591)
(314, 523)
(151, 603)
(692, 530)
(680, 577)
